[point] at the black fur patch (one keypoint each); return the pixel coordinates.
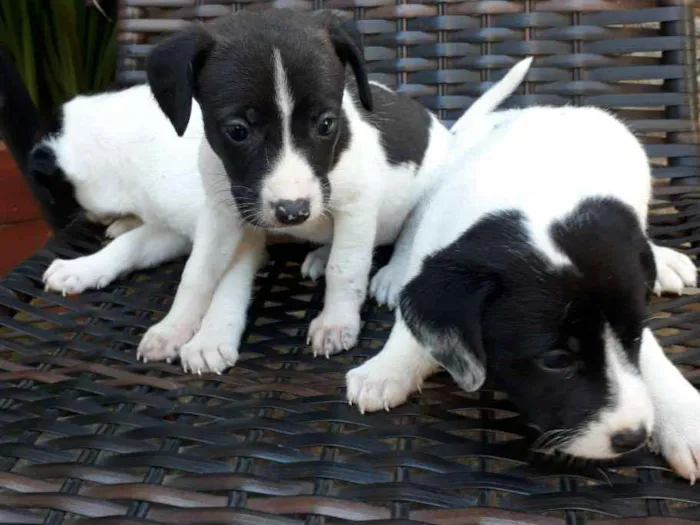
(606, 243)
(403, 124)
(51, 182)
(492, 285)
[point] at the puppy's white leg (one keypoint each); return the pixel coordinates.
(215, 241)
(388, 281)
(674, 270)
(121, 226)
(314, 265)
(215, 346)
(347, 273)
(143, 247)
(397, 371)
(676, 406)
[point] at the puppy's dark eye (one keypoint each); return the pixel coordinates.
(237, 131)
(327, 124)
(558, 361)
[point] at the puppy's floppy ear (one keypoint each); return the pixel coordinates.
(172, 69)
(443, 308)
(347, 41)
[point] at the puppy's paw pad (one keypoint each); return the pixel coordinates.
(208, 353)
(330, 334)
(674, 271)
(314, 265)
(376, 386)
(74, 276)
(162, 342)
(385, 286)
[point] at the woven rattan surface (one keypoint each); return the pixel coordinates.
(88, 433)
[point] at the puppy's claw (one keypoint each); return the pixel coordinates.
(692, 480)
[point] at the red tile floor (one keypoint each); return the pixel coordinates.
(22, 229)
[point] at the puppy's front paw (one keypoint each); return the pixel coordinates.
(378, 385)
(314, 265)
(209, 351)
(334, 331)
(386, 285)
(162, 342)
(677, 434)
(75, 276)
(674, 271)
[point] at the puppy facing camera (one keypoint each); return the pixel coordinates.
(530, 263)
(271, 88)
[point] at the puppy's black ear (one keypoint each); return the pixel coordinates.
(172, 68)
(443, 308)
(347, 41)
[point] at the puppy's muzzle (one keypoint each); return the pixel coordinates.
(628, 440)
(291, 212)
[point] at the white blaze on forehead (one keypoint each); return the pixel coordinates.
(283, 95)
(629, 407)
(291, 177)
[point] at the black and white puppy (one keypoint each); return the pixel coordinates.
(531, 263)
(294, 145)
(115, 156)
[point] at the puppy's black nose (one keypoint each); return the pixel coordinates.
(628, 440)
(292, 212)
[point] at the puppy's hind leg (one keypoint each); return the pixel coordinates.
(142, 247)
(121, 226)
(397, 371)
(676, 409)
(215, 346)
(674, 270)
(314, 265)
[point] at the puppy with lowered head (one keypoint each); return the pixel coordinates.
(116, 157)
(530, 262)
(296, 145)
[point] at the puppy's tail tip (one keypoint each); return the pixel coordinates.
(494, 96)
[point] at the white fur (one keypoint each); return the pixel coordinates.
(573, 153)
(677, 406)
(127, 163)
(292, 178)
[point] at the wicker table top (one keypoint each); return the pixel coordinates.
(89, 432)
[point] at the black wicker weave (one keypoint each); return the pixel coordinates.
(88, 433)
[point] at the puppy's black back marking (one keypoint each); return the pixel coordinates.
(403, 124)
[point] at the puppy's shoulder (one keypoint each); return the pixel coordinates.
(404, 125)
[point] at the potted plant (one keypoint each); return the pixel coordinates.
(60, 48)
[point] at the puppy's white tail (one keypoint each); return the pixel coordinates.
(490, 100)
